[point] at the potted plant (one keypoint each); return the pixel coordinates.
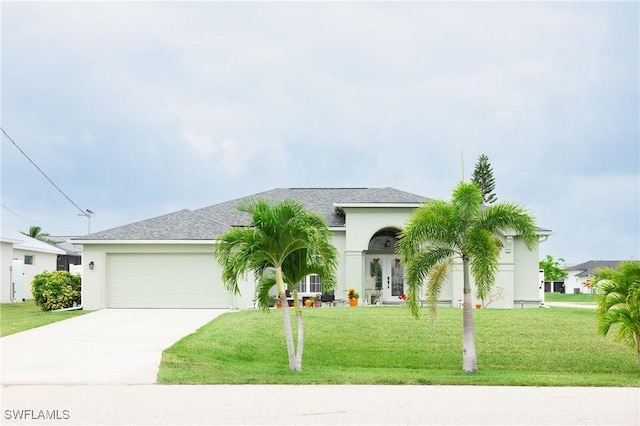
(317, 300)
(272, 301)
(353, 297)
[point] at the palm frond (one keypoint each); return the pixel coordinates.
(484, 249)
(437, 278)
(418, 269)
(467, 201)
(618, 292)
(264, 285)
(434, 221)
(509, 217)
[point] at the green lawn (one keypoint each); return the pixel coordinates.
(16, 317)
(573, 298)
(384, 345)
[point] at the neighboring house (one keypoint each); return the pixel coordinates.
(579, 276)
(72, 254)
(168, 262)
(23, 258)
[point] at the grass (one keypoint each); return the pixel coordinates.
(572, 298)
(17, 317)
(384, 345)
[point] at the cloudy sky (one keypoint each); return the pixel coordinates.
(140, 109)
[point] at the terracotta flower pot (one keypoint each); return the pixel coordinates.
(353, 302)
(478, 306)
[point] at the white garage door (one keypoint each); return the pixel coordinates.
(164, 280)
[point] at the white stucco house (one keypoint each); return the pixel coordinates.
(168, 262)
(578, 276)
(23, 258)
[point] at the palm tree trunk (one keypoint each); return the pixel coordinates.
(638, 346)
(469, 358)
(288, 331)
(300, 331)
(300, 347)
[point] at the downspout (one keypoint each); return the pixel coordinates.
(73, 308)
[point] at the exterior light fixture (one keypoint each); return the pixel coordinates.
(91, 265)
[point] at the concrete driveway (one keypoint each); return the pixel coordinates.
(111, 346)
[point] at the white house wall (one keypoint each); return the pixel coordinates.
(94, 283)
(6, 258)
(527, 292)
(41, 262)
(339, 241)
(517, 278)
(573, 283)
(361, 224)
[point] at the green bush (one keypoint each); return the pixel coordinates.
(56, 290)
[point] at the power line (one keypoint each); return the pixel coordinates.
(21, 217)
(43, 173)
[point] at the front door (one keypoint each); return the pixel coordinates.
(385, 277)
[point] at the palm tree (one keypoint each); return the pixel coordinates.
(439, 232)
(36, 232)
(619, 302)
(281, 245)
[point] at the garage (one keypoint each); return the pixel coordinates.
(164, 280)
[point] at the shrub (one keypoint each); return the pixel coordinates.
(56, 290)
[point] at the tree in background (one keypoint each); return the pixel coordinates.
(440, 231)
(282, 244)
(483, 177)
(552, 269)
(36, 232)
(619, 302)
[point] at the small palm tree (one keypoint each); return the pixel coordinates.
(619, 302)
(281, 245)
(36, 232)
(438, 232)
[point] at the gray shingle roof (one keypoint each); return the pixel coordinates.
(208, 223)
(587, 268)
(182, 225)
(318, 200)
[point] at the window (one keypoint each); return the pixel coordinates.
(310, 284)
(28, 259)
(302, 287)
(314, 284)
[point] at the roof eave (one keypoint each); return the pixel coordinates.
(88, 242)
(365, 205)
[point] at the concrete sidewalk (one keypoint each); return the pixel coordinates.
(571, 305)
(319, 405)
(112, 346)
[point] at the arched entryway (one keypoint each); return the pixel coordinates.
(384, 272)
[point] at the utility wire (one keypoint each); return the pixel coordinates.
(15, 213)
(84, 213)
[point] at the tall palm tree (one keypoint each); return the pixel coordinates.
(619, 302)
(281, 245)
(36, 232)
(439, 232)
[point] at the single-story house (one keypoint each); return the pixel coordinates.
(23, 258)
(579, 277)
(72, 256)
(168, 262)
